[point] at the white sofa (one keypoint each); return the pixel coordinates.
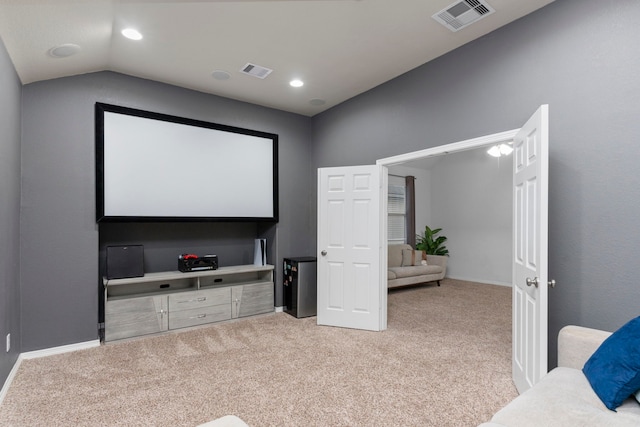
(402, 275)
(564, 396)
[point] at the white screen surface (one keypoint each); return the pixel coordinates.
(156, 168)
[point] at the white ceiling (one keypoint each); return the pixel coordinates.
(339, 48)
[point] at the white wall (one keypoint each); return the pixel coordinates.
(468, 195)
(471, 202)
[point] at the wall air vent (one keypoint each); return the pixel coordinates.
(463, 13)
(255, 70)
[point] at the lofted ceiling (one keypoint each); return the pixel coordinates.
(338, 48)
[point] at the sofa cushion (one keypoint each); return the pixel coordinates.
(411, 257)
(391, 274)
(394, 254)
(418, 270)
(614, 369)
(563, 398)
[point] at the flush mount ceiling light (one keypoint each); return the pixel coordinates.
(296, 83)
(500, 150)
(132, 34)
(64, 50)
(506, 149)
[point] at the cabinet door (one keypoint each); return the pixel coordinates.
(247, 300)
(135, 316)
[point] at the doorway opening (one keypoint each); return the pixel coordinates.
(468, 195)
(427, 155)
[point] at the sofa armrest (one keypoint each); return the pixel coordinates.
(576, 344)
(440, 260)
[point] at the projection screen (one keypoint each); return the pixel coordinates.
(156, 167)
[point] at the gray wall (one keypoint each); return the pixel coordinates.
(60, 290)
(580, 57)
(9, 213)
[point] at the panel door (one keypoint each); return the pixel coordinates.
(350, 287)
(530, 276)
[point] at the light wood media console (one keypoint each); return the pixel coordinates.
(159, 302)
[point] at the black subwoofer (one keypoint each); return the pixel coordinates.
(125, 261)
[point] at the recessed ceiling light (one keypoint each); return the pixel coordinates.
(296, 83)
(64, 50)
(132, 34)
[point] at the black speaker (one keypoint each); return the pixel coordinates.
(125, 261)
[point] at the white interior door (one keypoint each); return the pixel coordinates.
(530, 276)
(351, 290)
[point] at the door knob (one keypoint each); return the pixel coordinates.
(552, 283)
(533, 281)
(323, 253)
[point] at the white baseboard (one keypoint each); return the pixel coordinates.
(279, 309)
(483, 281)
(43, 353)
(59, 350)
(9, 380)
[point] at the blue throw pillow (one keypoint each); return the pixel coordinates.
(614, 369)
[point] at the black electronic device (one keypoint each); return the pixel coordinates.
(191, 262)
(125, 261)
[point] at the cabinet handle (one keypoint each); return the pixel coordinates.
(201, 299)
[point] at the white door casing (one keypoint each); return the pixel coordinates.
(352, 292)
(530, 240)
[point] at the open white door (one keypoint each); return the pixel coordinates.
(351, 289)
(530, 276)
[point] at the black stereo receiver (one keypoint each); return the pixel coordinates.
(190, 262)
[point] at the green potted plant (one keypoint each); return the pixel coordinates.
(430, 244)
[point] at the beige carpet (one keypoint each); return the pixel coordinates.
(445, 360)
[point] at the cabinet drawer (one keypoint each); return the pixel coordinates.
(197, 299)
(135, 316)
(199, 316)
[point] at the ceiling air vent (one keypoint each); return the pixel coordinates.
(256, 70)
(460, 14)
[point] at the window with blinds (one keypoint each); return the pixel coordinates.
(396, 210)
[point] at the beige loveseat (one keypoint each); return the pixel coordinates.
(564, 396)
(402, 275)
